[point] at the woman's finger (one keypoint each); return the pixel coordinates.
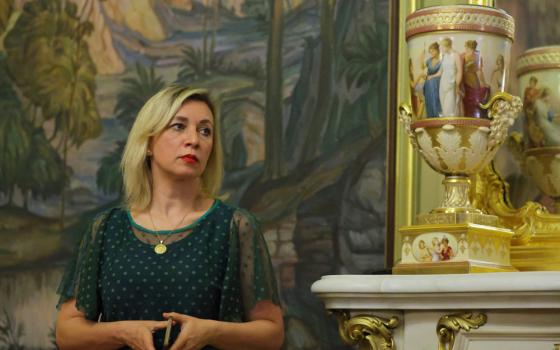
(180, 343)
(176, 316)
(158, 325)
(148, 342)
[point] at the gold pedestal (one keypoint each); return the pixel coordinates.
(539, 251)
(475, 245)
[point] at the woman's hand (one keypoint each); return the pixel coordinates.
(195, 332)
(139, 334)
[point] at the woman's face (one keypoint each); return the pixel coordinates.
(532, 83)
(182, 149)
(468, 50)
(433, 53)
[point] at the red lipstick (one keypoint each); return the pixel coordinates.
(189, 158)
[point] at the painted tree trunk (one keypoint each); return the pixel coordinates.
(273, 118)
(325, 83)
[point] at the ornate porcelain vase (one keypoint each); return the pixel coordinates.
(458, 117)
(538, 71)
(459, 113)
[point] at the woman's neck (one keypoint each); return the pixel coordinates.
(170, 197)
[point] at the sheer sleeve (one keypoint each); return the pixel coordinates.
(80, 280)
(249, 276)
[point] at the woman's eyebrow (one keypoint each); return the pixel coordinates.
(186, 119)
(205, 121)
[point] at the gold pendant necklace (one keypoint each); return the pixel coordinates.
(161, 248)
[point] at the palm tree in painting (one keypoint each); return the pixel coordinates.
(49, 61)
(45, 173)
(11, 332)
(14, 144)
(15, 139)
(364, 67)
(135, 92)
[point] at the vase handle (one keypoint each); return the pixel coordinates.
(503, 109)
(405, 116)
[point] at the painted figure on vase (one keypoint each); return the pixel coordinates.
(532, 130)
(432, 84)
(531, 93)
(446, 252)
(451, 73)
(475, 88)
(498, 76)
(435, 249)
(416, 90)
(424, 254)
(547, 120)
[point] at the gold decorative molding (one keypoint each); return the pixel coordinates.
(492, 196)
(445, 18)
(538, 58)
(449, 325)
(367, 331)
(536, 242)
(456, 218)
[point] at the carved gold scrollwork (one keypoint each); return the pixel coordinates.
(492, 196)
(449, 325)
(367, 331)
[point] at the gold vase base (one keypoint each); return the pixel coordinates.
(454, 248)
(464, 210)
(539, 248)
(458, 217)
(536, 257)
(449, 268)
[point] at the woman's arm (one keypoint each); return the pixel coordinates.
(439, 73)
(74, 331)
(459, 68)
(265, 331)
(480, 73)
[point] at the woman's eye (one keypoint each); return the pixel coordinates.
(177, 126)
(206, 131)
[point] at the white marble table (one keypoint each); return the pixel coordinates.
(514, 311)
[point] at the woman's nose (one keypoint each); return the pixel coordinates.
(191, 137)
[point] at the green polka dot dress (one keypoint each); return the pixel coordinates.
(216, 268)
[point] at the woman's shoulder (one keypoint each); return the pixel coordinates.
(108, 215)
(239, 216)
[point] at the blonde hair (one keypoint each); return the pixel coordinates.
(152, 119)
(471, 44)
(446, 42)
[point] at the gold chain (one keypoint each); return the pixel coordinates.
(161, 248)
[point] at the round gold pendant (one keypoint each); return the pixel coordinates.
(160, 248)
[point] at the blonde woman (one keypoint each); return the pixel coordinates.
(172, 250)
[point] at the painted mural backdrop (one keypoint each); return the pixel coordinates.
(301, 91)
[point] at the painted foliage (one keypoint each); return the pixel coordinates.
(301, 91)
